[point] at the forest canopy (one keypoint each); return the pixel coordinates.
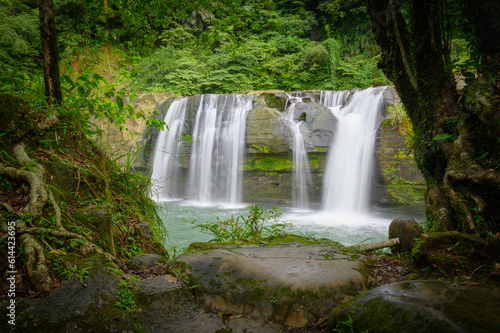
(202, 46)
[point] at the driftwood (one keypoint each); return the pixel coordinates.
(377, 245)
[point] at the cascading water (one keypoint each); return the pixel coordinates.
(332, 99)
(165, 158)
(301, 169)
(348, 174)
(347, 178)
(218, 147)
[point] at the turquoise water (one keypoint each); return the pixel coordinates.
(348, 229)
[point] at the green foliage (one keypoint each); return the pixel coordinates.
(359, 71)
(398, 118)
(263, 148)
(81, 274)
(19, 34)
(256, 47)
(443, 137)
(260, 223)
(126, 301)
(269, 162)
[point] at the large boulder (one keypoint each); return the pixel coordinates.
(106, 303)
(407, 230)
(287, 283)
(421, 306)
(320, 122)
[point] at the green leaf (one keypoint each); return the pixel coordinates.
(443, 137)
(119, 102)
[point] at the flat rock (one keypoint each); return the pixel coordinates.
(288, 283)
(423, 306)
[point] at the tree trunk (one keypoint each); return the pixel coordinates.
(462, 194)
(50, 52)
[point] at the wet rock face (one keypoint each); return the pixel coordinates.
(287, 283)
(423, 306)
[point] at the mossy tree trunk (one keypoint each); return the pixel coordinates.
(50, 52)
(453, 134)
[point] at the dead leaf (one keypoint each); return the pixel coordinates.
(170, 278)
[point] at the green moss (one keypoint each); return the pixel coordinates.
(196, 247)
(269, 162)
(188, 138)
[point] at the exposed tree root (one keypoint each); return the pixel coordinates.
(57, 211)
(35, 263)
(37, 269)
(38, 192)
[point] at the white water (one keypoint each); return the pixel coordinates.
(301, 169)
(166, 185)
(218, 148)
(332, 99)
(348, 175)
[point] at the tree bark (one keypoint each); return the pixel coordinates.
(451, 132)
(50, 52)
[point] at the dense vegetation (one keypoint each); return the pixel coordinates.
(215, 47)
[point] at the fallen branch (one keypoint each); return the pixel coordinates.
(376, 245)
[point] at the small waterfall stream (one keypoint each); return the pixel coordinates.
(349, 168)
(333, 99)
(301, 169)
(218, 147)
(166, 167)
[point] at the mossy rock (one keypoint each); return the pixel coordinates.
(16, 119)
(290, 283)
(420, 306)
(98, 220)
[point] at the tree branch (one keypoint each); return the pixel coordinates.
(406, 61)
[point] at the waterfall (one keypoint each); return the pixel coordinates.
(348, 175)
(166, 168)
(218, 147)
(332, 99)
(301, 169)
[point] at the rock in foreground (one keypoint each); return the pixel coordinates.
(287, 283)
(422, 306)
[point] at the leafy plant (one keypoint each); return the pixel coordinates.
(263, 148)
(126, 301)
(81, 274)
(260, 223)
